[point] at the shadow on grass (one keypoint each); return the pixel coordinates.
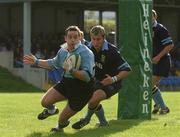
(115, 126)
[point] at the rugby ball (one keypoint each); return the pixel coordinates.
(75, 60)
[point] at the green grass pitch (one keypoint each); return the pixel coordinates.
(18, 112)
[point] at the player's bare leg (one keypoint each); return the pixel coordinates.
(49, 99)
(94, 106)
(64, 116)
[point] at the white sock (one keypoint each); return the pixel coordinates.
(52, 110)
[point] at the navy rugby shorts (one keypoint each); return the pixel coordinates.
(77, 92)
(162, 68)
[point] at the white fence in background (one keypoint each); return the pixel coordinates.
(35, 76)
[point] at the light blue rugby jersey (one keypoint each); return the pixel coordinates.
(87, 59)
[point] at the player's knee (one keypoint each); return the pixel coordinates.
(93, 103)
(45, 103)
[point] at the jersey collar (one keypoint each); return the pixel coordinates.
(76, 46)
(104, 47)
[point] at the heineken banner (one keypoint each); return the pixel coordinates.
(135, 43)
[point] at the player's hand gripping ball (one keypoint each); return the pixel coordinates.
(72, 62)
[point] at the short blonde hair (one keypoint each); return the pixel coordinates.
(98, 30)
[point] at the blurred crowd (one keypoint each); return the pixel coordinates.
(45, 46)
(42, 46)
(175, 55)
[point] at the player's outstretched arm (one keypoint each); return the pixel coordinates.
(32, 60)
(29, 59)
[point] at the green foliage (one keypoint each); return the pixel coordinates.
(19, 111)
(109, 25)
(10, 83)
(88, 24)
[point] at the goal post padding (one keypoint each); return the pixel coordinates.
(135, 43)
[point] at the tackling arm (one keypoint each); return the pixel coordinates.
(109, 80)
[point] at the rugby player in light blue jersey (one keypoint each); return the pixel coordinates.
(76, 85)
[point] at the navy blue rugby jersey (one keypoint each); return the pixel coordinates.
(161, 39)
(108, 61)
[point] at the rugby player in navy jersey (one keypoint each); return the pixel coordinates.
(76, 85)
(162, 44)
(110, 69)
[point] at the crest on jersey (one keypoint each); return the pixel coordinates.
(103, 57)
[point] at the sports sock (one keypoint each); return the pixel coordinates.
(89, 114)
(158, 98)
(100, 114)
(52, 109)
(154, 90)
